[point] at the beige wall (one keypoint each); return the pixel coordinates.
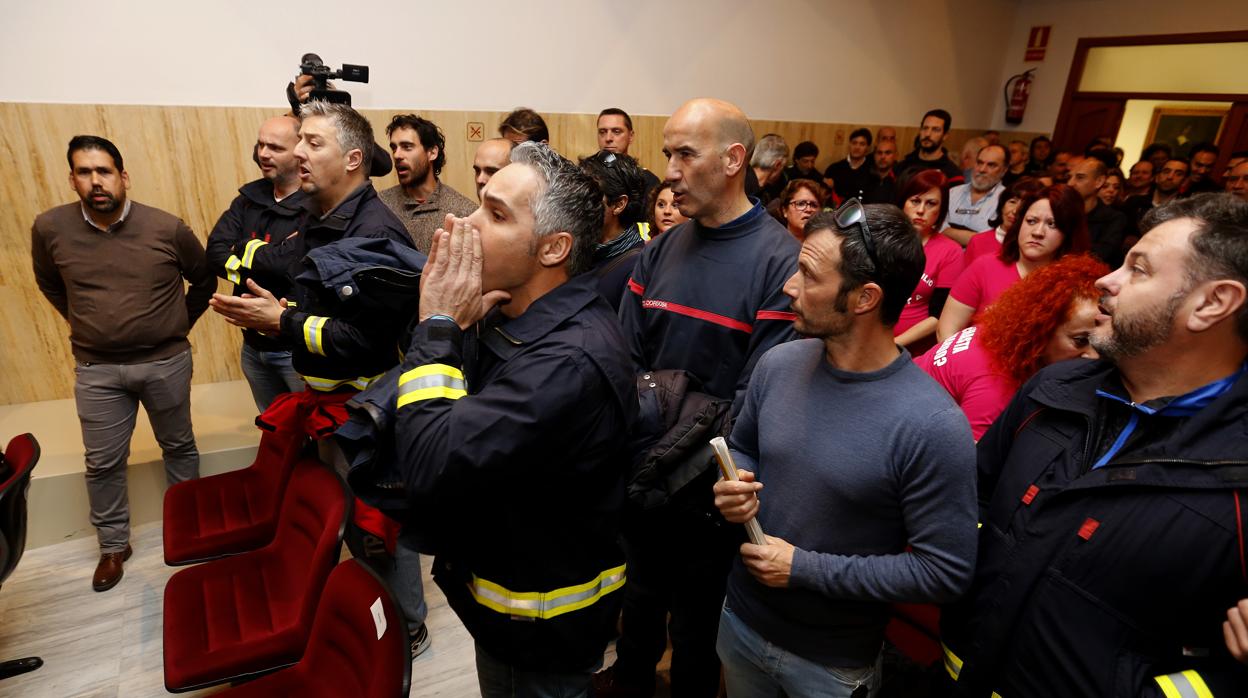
(1073, 19)
(191, 161)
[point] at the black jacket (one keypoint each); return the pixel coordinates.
(253, 214)
(518, 439)
(1092, 582)
(335, 341)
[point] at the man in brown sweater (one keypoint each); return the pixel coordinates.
(420, 199)
(114, 269)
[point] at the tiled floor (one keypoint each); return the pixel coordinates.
(107, 645)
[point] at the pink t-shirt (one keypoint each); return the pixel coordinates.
(940, 270)
(962, 366)
(985, 243)
(984, 281)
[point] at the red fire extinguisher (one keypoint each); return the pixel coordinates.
(1016, 90)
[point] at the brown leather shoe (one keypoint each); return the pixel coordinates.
(110, 569)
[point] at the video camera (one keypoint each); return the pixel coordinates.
(312, 64)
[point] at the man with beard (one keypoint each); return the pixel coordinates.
(973, 204)
(862, 505)
(420, 199)
(1201, 180)
(269, 209)
(114, 269)
(1113, 492)
(930, 154)
(1166, 187)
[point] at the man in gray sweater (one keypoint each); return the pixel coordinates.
(860, 470)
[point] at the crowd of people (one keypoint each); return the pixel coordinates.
(1009, 387)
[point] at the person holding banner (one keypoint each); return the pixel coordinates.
(860, 470)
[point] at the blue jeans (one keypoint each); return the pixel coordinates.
(756, 668)
(402, 574)
(269, 374)
(500, 680)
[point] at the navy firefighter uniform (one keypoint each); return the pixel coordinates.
(519, 435)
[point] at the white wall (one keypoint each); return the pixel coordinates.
(1074, 19)
(877, 62)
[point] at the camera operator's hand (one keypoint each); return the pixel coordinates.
(451, 282)
(303, 88)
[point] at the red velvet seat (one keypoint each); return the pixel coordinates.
(232, 512)
(345, 657)
(251, 613)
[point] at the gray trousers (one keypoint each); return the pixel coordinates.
(108, 397)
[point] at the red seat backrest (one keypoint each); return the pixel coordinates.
(308, 541)
(345, 656)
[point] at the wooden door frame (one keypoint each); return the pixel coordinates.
(1080, 62)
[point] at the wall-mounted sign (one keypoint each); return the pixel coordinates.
(1037, 42)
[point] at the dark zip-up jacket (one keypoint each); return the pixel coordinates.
(336, 343)
(710, 301)
(1094, 582)
(518, 440)
(254, 214)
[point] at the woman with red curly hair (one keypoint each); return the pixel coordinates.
(1050, 225)
(1043, 319)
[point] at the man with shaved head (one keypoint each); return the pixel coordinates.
(705, 297)
(492, 155)
(269, 209)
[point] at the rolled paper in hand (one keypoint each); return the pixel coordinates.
(729, 469)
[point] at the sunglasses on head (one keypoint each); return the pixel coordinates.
(852, 214)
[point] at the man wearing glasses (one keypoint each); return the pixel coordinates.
(860, 471)
(706, 297)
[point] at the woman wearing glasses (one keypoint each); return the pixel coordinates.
(1052, 224)
(925, 202)
(1041, 320)
(799, 200)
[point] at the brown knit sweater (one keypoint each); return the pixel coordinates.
(122, 291)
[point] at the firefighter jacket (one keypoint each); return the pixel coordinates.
(338, 339)
(521, 439)
(1112, 542)
(254, 214)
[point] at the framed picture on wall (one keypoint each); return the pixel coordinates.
(1181, 128)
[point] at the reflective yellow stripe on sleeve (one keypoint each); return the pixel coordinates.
(429, 382)
(953, 665)
(312, 334)
(644, 228)
(249, 252)
(325, 385)
(548, 604)
(1186, 684)
(231, 270)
